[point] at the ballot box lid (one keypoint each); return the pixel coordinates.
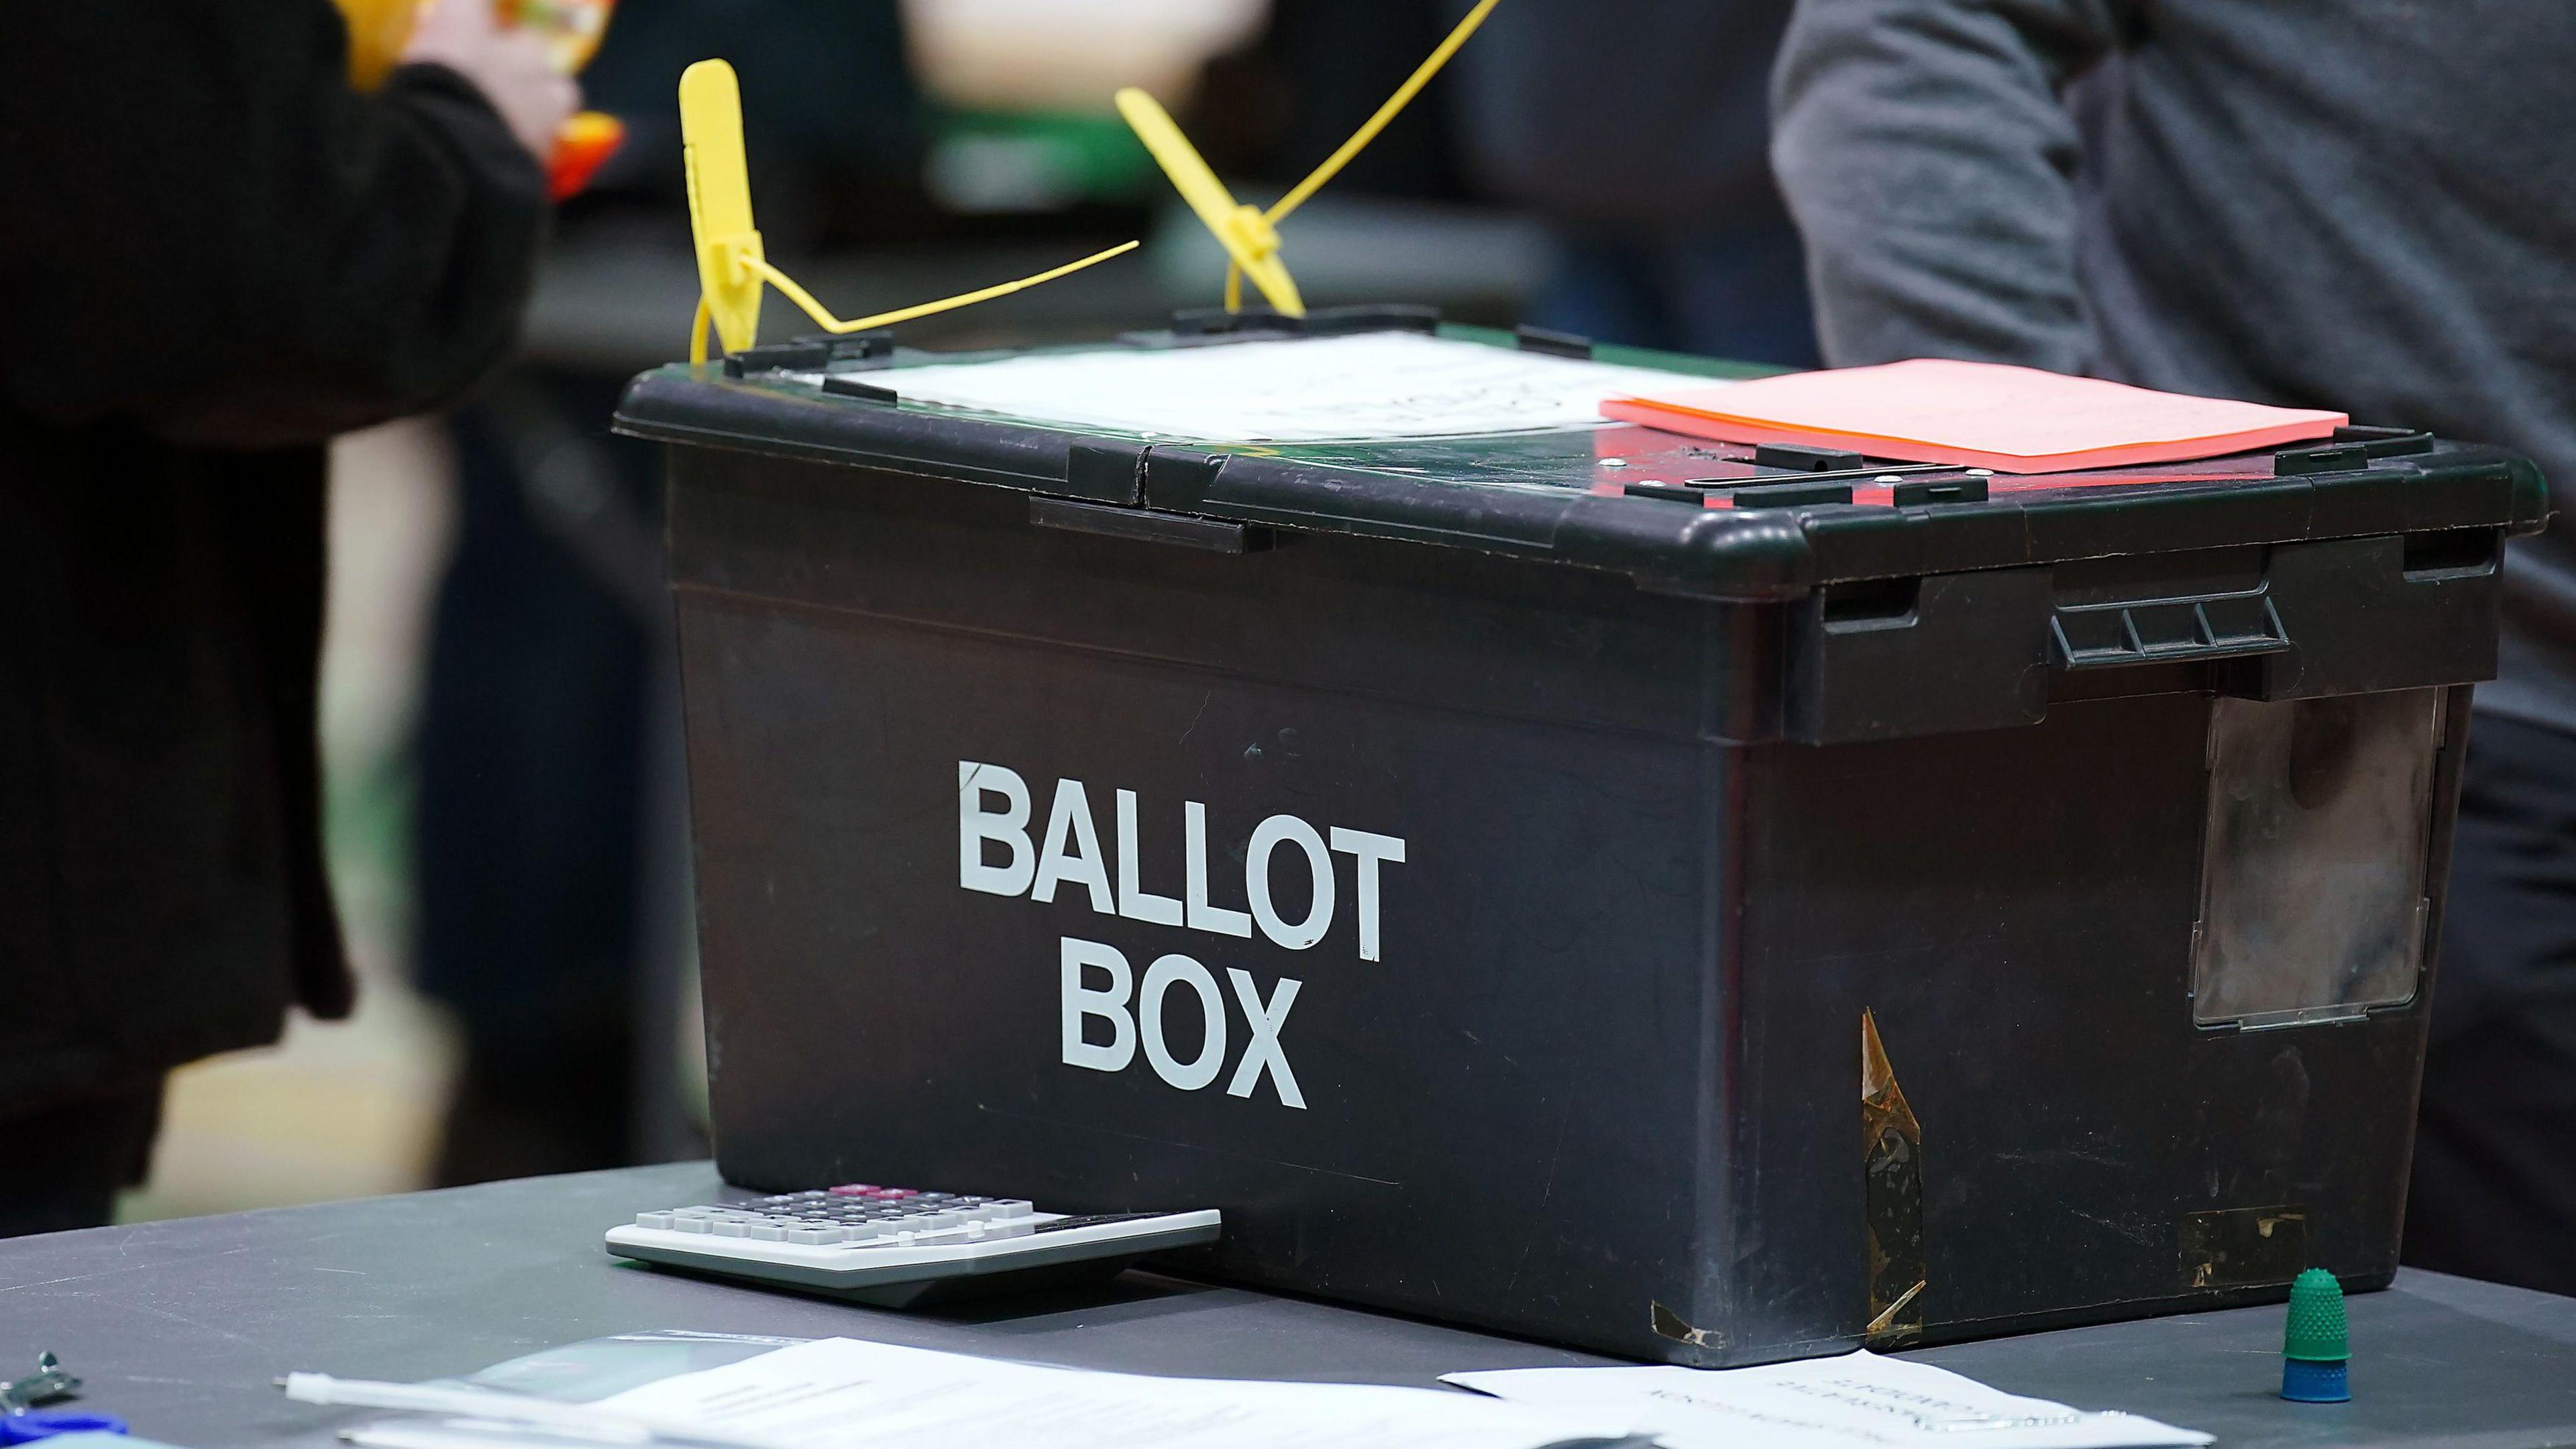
(1679, 515)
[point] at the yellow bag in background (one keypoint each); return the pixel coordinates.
(379, 29)
(571, 29)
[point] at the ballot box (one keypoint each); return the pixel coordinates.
(1635, 892)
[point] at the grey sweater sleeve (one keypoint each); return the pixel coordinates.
(1926, 150)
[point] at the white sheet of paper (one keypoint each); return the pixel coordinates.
(1298, 390)
(840, 1393)
(435, 1434)
(1854, 1401)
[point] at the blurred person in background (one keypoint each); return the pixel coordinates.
(551, 830)
(2366, 208)
(1635, 131)
(218, 255)
(1318, 69)
(1638, 131)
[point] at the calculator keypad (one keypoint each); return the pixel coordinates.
(855, 1214)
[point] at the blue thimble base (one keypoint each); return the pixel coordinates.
(2304, 1381)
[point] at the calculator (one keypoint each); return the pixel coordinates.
(895, 1247)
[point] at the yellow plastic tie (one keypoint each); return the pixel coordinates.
(1247, 236)
(731, 268)
(1250, 235)
(719, 182)
(804, 299)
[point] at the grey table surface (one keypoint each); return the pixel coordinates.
(180, 1326)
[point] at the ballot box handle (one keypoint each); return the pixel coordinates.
(2165, 631)
(1147, 525)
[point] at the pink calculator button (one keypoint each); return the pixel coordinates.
(856, 1189)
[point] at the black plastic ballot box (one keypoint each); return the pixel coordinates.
(1688, 902)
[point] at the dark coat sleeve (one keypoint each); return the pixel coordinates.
(205, 231)
(1927, 152)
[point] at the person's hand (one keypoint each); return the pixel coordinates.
(510, 67)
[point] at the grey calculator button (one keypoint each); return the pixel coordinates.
(693, 1212)
(661, 1221)
(688, 1225)
(765, 1232)
(816, 1236)
(727, 1228)
(1011, 1207)
(932, 1222)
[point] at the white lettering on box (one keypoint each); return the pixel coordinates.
(1159, 979)
(1134, 901)
(1221, 920)
(1082, 1002)
(1069, 822)
(1098, 990)
(1263, 1053)
(1299, 935)
(975, 826)
(1371, 851)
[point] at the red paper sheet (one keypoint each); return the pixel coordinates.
(1974, 415)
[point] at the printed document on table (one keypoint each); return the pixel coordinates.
(1292, 390)
(840, 1393)
(1855, 1401)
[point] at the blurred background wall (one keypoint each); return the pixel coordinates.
(507, 817)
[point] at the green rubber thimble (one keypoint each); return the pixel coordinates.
(2316, 1332)
(2314, 1347)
